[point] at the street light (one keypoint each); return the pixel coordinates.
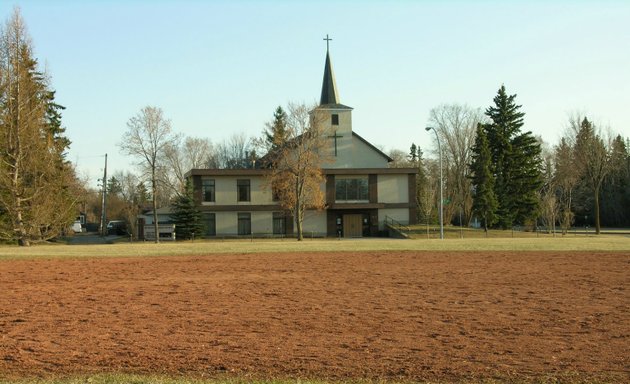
(441, 183)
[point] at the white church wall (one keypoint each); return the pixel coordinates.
(226, 191)
(226, 223)
(314, 224)
(354, 153)
(393, 188)
(262, 223)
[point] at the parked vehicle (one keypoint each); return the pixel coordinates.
(76, 226)
(117, 227)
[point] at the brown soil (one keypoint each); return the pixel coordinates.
(392, 315)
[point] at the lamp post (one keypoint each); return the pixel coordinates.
(441, 183)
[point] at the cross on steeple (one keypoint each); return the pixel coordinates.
(327, 40)
(335, 136)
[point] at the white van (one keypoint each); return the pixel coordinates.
(76, 226)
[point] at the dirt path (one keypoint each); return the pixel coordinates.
(409, 315)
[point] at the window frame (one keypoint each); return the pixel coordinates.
(210, 218)
(205, 188)
(244, 223)
(352, 189)
(243, 190)
(279, 223)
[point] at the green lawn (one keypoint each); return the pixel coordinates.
(125, 249)
(420, 231)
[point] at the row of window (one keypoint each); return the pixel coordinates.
(244, 223)
(208, 190)
(346, 189)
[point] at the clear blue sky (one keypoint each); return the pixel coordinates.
(218, 68)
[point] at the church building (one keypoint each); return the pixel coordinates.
(362, 192)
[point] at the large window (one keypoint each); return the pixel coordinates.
(210, 224)
(243, 190)
(244, 223)
(279, 223)
(351, 189)
(207, 190)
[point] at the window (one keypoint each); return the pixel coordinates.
(351, 189)
(335, 119)
(244, 223)
(207, 190)
(242, 189)
(279, 223)
(211, 224)
(275, 193)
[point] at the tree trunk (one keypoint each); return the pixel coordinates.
(299, 217)
(299, 211)
(597, 222)
(21, 232)
(155, 215)
(22, 236)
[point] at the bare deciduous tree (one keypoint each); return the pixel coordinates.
(400, 159)
(549, 203)
(182, 156)
(237, 152)
(427, 191)
(456, 125)
(128, 200)
(566, 177)
(148, 135)
(295, 174)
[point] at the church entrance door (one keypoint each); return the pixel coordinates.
(352, 225)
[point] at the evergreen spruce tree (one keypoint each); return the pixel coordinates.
(484, 200)
(186, 215)
(413, 153)
(113, 186)
(615, 200)
(527, 177)
(56, 131)
(276, 133)
(516, 162)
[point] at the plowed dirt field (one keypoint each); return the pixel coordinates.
(390, 315)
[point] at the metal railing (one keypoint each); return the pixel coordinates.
(397, 226)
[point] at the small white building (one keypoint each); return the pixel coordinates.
(166, 228)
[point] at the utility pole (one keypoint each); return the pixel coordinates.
(104, 202)
(437, 137)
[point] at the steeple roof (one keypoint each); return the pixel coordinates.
(329, 85)
(330, 96)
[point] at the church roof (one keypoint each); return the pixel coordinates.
(329, 85)
(389, 159)
(334, 106)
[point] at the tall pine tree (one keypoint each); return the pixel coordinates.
(38, 188)
(484, 200)
(616, 188)
(516, 162)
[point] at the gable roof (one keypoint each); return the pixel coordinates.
(389, 159)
